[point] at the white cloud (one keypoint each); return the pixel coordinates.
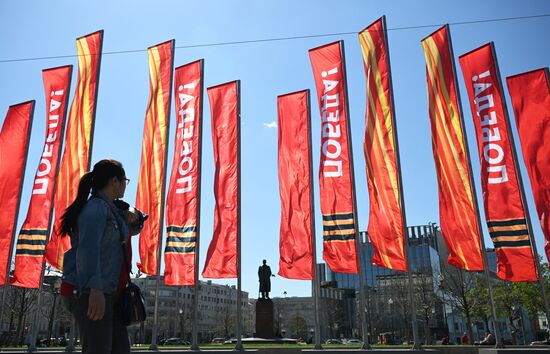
(271, 125)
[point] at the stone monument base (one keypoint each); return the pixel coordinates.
(264, 318)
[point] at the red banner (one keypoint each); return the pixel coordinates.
(295, 190)
(31, 243)
(335, 171)
(183, 200)
(78, 140)
(222, 256)
(14, 146)
(154, 148)
(457, 204)
(530, 94)
(386, 218)
(501, 195)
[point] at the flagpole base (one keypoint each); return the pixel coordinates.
(417, 346)
(366, 346)
(239, 347)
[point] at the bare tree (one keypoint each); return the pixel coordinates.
(457, 284)
(20, 302)
(426, 300)
(225, 319)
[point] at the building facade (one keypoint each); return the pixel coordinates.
(386, 292)
(217, 311)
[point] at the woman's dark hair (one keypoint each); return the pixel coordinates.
(92, 181)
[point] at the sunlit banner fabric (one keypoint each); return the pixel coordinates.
(222, 256)
(182, 202)
(295, 190)
(530, 94)
(335, 175)
(154, 147)
(386, 226)
(78, 140)
(501, 195)
(14, 146)
(457, 209)
(31, 243)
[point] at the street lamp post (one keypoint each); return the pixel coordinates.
(390, 303)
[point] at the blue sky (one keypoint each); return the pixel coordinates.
(41, 29)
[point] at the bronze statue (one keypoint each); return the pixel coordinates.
(264, 277)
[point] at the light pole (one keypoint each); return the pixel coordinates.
(181, 324)
(390, 303)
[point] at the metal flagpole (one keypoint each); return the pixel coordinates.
(474, 199)
(315, 284)
(358, 241)
(194, 340)
(154, 345)
(416, 345)
(239, 345)
(4, 291)
(70, 347)
(522, 192)
(32, 344)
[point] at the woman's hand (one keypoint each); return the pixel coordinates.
(96, 305)
(131, 216)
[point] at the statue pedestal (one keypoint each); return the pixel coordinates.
(264, 318)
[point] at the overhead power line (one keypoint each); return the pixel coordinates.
(263, 40)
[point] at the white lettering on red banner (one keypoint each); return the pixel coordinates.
(492, 151)
(330, 130)
(45, 165)
(186, 118)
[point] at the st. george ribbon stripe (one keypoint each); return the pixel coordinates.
(334, 217)
(512, 243)
(339, 237)
(31, 242)
(30, 252)
(509, 233)
(172, 249)
(33, 232)
(181, 239)
(339, 227)
(184, 229)
(511, 222)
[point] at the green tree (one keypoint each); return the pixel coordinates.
(508, 302)
(298, 326)
(479, 298)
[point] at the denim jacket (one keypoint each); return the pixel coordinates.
(95, 257)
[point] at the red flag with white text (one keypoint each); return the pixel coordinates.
(31, 243)
(335, 170)
(183, 199)
(504, 209)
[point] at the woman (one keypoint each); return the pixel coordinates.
(94, 269)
